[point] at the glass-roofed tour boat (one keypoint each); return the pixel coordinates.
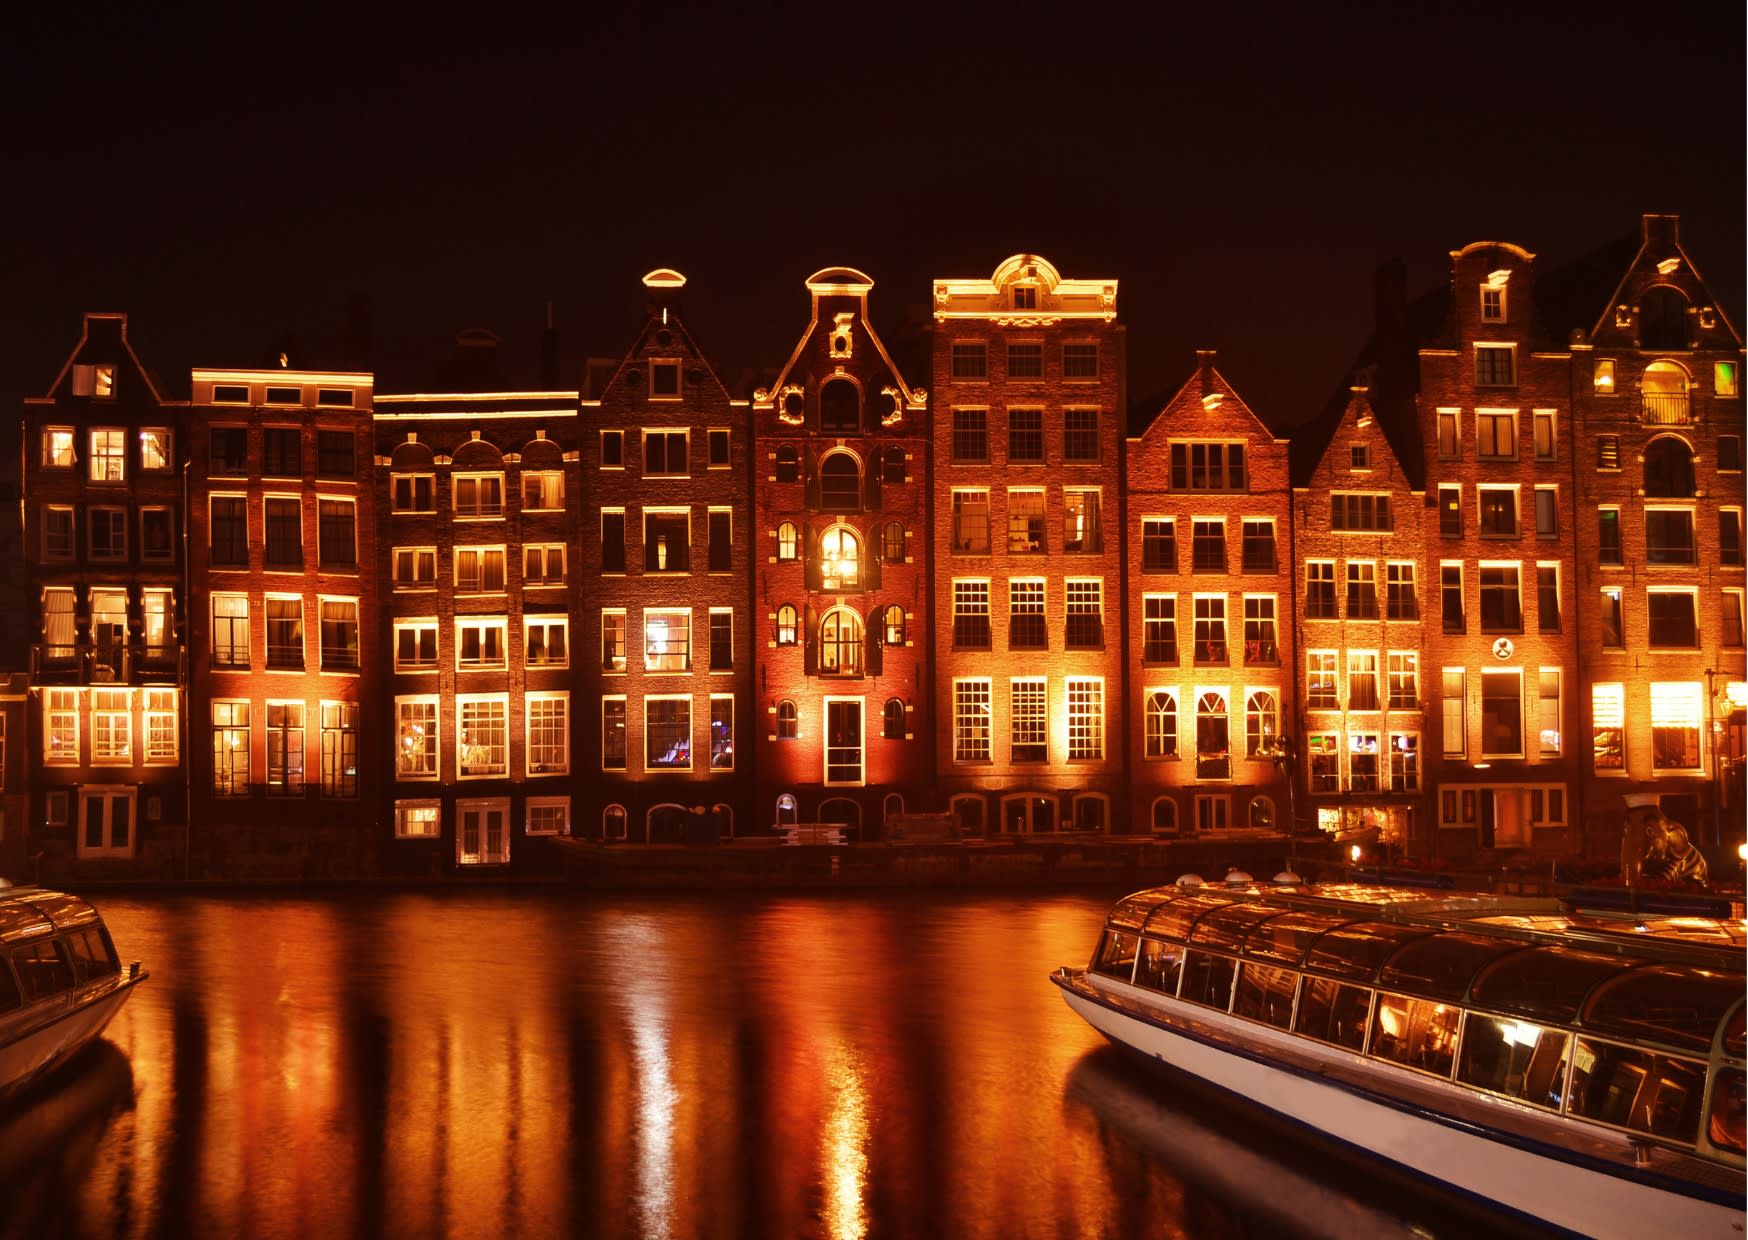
(1583, 1070)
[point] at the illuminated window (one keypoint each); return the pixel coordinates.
(1492, 304)
(970, 359)
(843, 755)
(1608, 721)
(840, 558)
(1495, 365)
(1663, 393)
(1025, 436)
(284, 530)
(482, 735)
(970, 615)
(1548, 712)
(1080, 361)
(1160, 711)
(548, 816)
(1450, 511)
(1608, 451)
(415, 645)
(479, 495)
(542, 490)
(722, 731)
(416, 739)
(1213, 743)
(1676, 711)
(971, 720)
(612, 540)
(155, 453)
(482, 831)
(336, 533)
(109, 627)
(285, 743)
(788, 464)
(1672, 619)
(112, 715)
(545, 641)
(1356, 510)
(1082, 529)
(971, 522)
(1026, 615)
(840, 643)
(1501, 713)
(57, 447)
(1086, 718)
(614, 742)
(108, 459)
(1086, 622)
(613, 639)
(1261, 724)
(1404, 762)
(1449, 428)
(1207, 467)
(1025, 360)
(548, 745)
(970, 436)
(1362, 761)
(788, 722)
(1320, 691)
(667, 640)
(1547, 598)
(893, 723)
(61, 726)
(1602, 377)
(1025, 521)
(1501, 599)
(1320, 590)
(840, 483)
(1158, 628)
(1450, 581)
(1210, 620)
(1260, 648)
(667, 540)
(106, 529)
(1455, 698)
(543, 564)
(156, 609)
(285, 633)
(786, 625)
(57, 532)
(230, 630)
(1498, 511)
(1496, 434)
(479, 570)
(1362, 680)
(413, 493)
(1158, 545)
(418, 820)
(788, 541)
(1614, 631)
(721, 639)
(230, 749)
(893, 626)
(1404, 671)
(892, 543)
(1724, 381)
(339, 634)
(1080, 436)
(1028, 719)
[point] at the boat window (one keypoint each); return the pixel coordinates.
(1334, 1012)
(10, 997)
(1160, 966)
(1286, 938)
(1228, 927)
(1637, 1089)
(1357, 949)
(1421, 1033)
(1442, 966)
(91, 954)
(42, 971)
(1131, 911)
(1265, 993)
(1174, 920)
(1735, 1041)
(1208, 980)
(1681, 1007)
(1507, 1056)
(1545, 983)
(1725, 1129)
(1116, 956)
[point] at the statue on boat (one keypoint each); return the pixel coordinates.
(1655, 846)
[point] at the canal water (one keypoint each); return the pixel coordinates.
(515, 1063)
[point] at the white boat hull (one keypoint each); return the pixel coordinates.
(1587, 1200)
(29, 1056)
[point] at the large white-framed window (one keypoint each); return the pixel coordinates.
(1262, 723)
(613, 621)
(667, 540)
(57, 447)
(481, 643)
(340, 651)
(971, 719)
(230, 630)
(107, 461)
(1086, 717)
(59, 539)
(482, 831)
(413, 568)
(543, 564)
(416, 645)
(1213, 734)
(1362, 762)
(285, 749)
(667, 639)
(844, 742)
(547, 816)
(667, 732)
(231, 745)
(479, 495)
(112, 715)
(418, 820)
(546, 641)
(666, 452)
(1549, 711)
(285, 644)
(722, 731)
(1608, 715)
(1028, 719)
(1320, 681)
(1159, 712)
(1404, 762)
(1502, 712)
(1455, 705)
(542, 490)
(161, 730)
(479, 570)
(548, 745)
(412, 493)
(1404, 671)
(60, 711)
(339, 752)
(1677, 712)
(482, 735)
(107, 821)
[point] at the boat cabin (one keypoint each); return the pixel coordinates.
(53, 947)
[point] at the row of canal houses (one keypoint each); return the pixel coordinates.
(294, 625)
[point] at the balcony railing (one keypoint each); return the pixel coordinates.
(1666, 409)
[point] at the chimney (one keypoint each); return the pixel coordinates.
(1211, 399)
(1389, 298)
(549, 354)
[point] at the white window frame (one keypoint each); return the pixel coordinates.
(534, 803)
(109, 794)
(481, 806)
(462, 702)
(563, 765)
(549, 622)
(484, 624)
(406, 804)
(424, 624)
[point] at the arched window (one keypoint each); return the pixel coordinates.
(840, 558)
(890, 808)
(892, 541)
(786, 625)
(894, 634)
(613, 822)
(1161, 724)
(840, 483)
(894, 720)
(892, 466)
(1663, 319)
(1663, 395)
(1213, 744)
(1262, 812)
(842, 812)
(788, 541)
(1261, 723)
(787, 723)
(968, 812)
(1165, 816)
(1668, 469)
(786, 814)
(840, 643)
(839, 406)
(788, 462)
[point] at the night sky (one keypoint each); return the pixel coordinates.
(230, 186)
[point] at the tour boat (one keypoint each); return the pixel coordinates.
(1580, 1070)
(60, 981)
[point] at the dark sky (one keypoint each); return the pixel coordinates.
(230, 185)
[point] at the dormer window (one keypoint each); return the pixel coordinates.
(96, 381)
(1495, 365)
(664, 379)
(1493, 304)
(1025, 297)
(1360, 456)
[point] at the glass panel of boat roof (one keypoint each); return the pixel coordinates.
(1131, 911)
(62, 909)
(1544, 983)
(19, 920)
(1228, 927)
(1358, 948)
(1173, 920)
(1697, 930)
(1286, 938)
(1664, 1003)
(1441, 966)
